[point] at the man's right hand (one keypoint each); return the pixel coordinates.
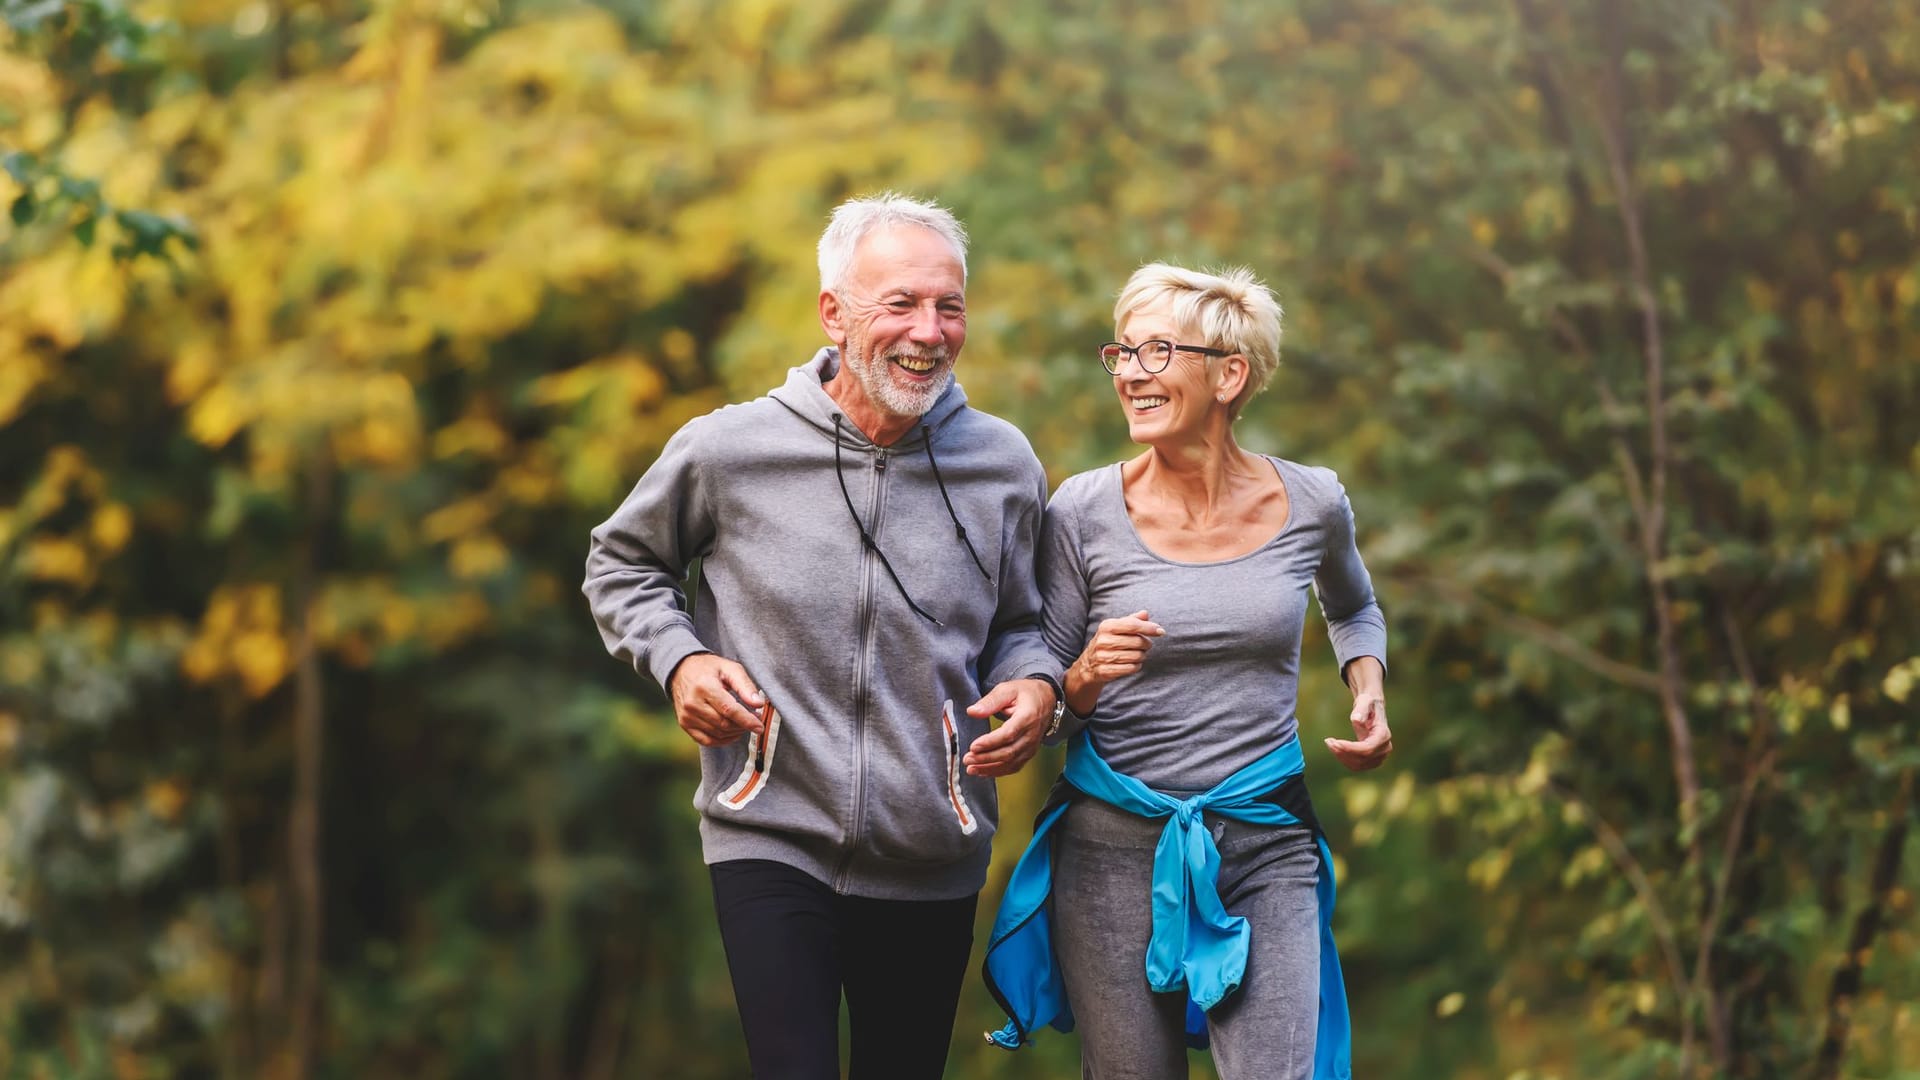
(708, 693)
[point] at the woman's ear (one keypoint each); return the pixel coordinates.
(1231, 378)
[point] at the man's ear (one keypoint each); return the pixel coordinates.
(833, 317)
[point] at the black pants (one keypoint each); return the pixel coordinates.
(794, 946)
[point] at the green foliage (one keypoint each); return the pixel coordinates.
(88, 42)
(312, 763)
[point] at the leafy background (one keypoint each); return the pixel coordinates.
(328, 328)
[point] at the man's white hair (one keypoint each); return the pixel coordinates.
(1226, 309)
(855, 218)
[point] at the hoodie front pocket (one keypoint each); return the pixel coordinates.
(956, 795)
(919, 805)
(757, 772)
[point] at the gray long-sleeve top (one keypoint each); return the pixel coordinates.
(1218, 691)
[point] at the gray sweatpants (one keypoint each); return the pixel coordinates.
(1103, 916)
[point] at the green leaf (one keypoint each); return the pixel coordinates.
(84, 191)
(21, 166)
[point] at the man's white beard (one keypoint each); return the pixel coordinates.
(891, 396)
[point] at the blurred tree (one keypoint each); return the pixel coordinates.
(1607, 314)
(312, 764)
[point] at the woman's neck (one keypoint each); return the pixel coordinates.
(1198, 476)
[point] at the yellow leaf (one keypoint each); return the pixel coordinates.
(194, 366)
(1450, 1005)
(1900, 679)
(262, 605)
(479, 556)
(527, 485)
(1489, 868)
(56, 559)
(397, 620)
(382, 442)
(112, 525)
(1907, 289)
(261, 659)
(457, 519)
(21, 373)
(1362, 796)
(222, 614)
(165, 799)
(678, 345)
(1385, 90)
(452, 619)
(200, 661)
(1400, 796)
(216, 417)
(476, 435)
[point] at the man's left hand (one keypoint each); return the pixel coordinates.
(1025, 706)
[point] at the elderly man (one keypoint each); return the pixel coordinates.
(866, 604)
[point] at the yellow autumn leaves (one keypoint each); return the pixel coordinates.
(247, 635)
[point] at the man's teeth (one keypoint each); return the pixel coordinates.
(1141, 403)
(917, 365)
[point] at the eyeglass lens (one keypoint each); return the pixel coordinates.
(1153, 355)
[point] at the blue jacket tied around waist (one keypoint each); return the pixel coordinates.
(1196, 946)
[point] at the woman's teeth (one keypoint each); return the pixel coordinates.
(1141, 404)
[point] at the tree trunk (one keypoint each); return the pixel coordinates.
(303, 825)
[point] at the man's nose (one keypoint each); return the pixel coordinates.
(926, 326)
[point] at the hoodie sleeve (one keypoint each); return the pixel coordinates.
(1015, 648)
(639, 557)
(1345, 589)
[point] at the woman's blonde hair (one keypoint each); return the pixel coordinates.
(1227, 309)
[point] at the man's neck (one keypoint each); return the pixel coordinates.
(882, 427)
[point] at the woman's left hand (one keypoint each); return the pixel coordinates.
(1375, 739)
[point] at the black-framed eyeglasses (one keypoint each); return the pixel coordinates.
(1153, 355)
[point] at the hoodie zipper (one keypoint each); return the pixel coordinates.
(862, 662)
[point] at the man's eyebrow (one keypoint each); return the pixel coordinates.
(904, 293)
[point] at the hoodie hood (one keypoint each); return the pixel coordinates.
(805, 395)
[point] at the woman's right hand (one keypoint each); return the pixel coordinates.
(1118, 649)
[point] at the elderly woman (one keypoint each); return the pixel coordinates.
(1178, 889)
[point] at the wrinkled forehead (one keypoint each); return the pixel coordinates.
(908, 257)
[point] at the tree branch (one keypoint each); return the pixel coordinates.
(1623, 859)
(1555, 639)
(1866, 927)
(1653, 523)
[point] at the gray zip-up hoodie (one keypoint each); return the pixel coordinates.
(858, 780)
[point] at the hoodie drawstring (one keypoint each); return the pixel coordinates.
(958, 529)
(866, 538)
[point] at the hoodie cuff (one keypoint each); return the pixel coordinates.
(1044, 668)
(674, 643)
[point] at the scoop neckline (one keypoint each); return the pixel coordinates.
(1119, 490)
